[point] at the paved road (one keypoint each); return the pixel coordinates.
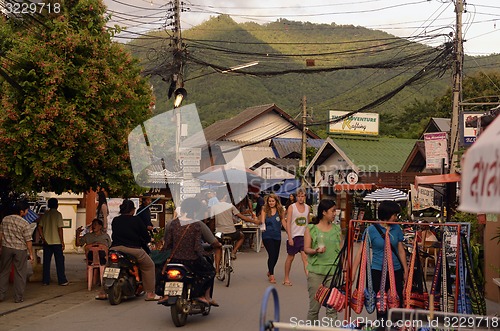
(74, 308)
(57, 308)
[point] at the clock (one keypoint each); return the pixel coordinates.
(352, 178)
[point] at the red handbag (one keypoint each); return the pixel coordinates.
(336, 299)
(322, 294)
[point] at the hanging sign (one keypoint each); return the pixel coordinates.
(436, 150)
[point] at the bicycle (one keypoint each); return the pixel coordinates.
(225, 264)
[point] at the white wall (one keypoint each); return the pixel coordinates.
(276, 173)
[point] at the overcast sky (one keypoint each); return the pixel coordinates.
(403, 18)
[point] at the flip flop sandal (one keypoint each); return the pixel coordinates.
(287, 283)
(155, 298)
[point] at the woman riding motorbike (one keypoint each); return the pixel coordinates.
(184, 237)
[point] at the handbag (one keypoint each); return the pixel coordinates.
(370, 294)
(322, 294)
(357, 297)
(337, 297)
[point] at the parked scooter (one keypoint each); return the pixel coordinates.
(122, 277)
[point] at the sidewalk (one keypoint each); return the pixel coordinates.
(36, 293)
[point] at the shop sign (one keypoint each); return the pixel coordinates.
(359, 123)
(436, 150)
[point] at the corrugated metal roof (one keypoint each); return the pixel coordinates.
(221, 129)
(443, 124)
(286, 146)
(377, 154)
(253, 154)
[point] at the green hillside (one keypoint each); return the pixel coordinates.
(337, 52)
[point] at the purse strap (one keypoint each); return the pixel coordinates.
(437, 274)
(444, 273)
(362, 268)
(390, 265)
(462, 304)
(392, 247)
(409, 282)
(338, 263)
(369, 280)
(383, 279)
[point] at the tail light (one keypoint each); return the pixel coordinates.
(174, 274)
(113, 257)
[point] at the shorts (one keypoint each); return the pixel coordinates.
(235, 236)
(298, 245)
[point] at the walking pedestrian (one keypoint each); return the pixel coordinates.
(51, 231)
(296, 221)
(322, 245)
(16, 242)
(272, 216)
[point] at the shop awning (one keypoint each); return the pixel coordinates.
(354, 187)
(437, 179)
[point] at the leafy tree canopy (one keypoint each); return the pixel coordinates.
(80, 95)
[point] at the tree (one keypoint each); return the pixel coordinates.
(66, 130)
(480, 87)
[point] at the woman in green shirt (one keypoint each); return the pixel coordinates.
(322, 245)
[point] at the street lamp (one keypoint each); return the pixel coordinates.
(179, 94)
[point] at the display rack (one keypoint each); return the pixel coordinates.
(454, 228)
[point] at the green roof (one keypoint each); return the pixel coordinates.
(376, 154)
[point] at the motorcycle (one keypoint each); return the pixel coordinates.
(122, 277)
(181, 289)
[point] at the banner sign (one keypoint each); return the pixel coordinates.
(359, 123)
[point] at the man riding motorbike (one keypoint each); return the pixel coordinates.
(131, 236)
(183, 237)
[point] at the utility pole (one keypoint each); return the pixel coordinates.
(304, 135)
(457, 85)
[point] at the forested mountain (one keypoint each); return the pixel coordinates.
(337, 67)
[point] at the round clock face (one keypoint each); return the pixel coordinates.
(352, 178)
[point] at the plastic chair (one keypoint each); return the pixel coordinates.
(95, 266)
